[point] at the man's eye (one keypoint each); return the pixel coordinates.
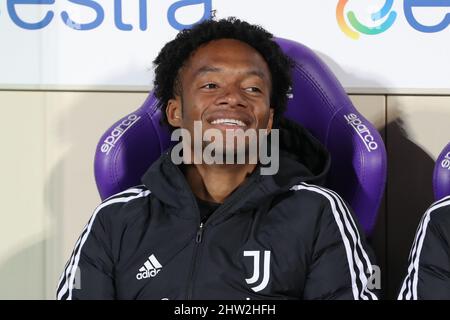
(253, 89)
(210, 86)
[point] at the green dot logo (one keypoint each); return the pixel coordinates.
(356, 27)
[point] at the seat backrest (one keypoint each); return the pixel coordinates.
(317, 101)
(441, 174)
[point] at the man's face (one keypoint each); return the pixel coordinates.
(226, 85)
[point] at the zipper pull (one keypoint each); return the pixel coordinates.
(199, 233)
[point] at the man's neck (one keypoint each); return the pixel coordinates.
(215, 183)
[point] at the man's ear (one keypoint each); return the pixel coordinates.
(173, 112)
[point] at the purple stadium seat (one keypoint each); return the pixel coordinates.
(441, 174)
(318, 102)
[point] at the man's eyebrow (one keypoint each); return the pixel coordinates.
(207, 69)
(256, 72)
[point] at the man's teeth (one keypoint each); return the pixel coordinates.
(233, 122)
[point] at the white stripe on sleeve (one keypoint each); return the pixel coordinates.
(346, 224)
(410, 284)
(70, 272)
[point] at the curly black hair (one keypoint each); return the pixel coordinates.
(175, 54)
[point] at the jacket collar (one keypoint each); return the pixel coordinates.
(302, 159)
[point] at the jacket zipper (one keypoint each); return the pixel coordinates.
(198, 241)
(199, 236)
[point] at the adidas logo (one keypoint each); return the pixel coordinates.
(150, 268)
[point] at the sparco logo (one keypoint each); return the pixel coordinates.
(117, 132)
(446, 162)
(362, 130)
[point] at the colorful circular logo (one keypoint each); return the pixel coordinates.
(358, 27)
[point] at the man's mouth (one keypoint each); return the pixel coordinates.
(228, 122)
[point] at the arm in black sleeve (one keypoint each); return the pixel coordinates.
(341, 267)
(428, 274)
(89, 272)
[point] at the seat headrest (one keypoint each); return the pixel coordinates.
(441, 174)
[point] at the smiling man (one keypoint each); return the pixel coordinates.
(197, 230)
(224, 86)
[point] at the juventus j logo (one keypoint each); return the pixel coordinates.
(256, 266)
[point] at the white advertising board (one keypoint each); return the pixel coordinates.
(373, 46)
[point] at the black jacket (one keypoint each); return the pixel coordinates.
(275, 237)
(428, 274)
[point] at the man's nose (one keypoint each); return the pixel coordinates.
(233, 97)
